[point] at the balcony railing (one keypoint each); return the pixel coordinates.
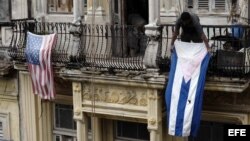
(18, 42)
(116, 47)
(230, 49)
(112, 47)
(84, 45)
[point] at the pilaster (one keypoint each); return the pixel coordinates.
(154, 115)
(96, 10)
(96, 128)
(79, 116)
(163, 7)
(29, 110)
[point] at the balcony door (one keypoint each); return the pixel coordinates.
(126, 39)
(118, 12)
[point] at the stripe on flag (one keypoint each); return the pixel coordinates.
(184, 93)
(38, 56)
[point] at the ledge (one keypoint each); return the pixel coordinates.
(224, 84)
(5, 68)
(221, 84)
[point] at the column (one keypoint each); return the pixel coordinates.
(45, 122)
(152, 30)
(154, 115)
(76, 10)
(79, 116)
(41, 7)
(163, 7)
(248, 12)
(154, 11)
(100, 12)
(28, 109)
(96, 11)
(108, 130)
(96, 128)
(90, 9)
(19, 9)
(172, 7)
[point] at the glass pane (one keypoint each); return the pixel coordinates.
(64, 116)
(68, 138)
(132, 130)
(1, 130)
(60, 6)
(57, 138)
(116, 6)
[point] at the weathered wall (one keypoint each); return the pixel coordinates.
(9, 107)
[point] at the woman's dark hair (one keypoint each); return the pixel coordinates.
(185, 16)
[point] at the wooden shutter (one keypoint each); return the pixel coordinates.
(1, 131)
(219, 4)
(203, 4)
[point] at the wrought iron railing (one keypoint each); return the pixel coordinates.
(112, 47)
(84, 45)
(20, 29)
(120, 47)
(230, 49)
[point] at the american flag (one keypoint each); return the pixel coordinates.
(38, 56)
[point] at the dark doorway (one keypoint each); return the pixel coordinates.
(210, 131)
(139, 7)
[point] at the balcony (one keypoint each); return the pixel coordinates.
(103, 47)
(229, 66)
(114, 48)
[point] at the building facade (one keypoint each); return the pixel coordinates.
(111, 64)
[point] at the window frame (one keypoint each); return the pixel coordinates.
(56, 12)
(5, 119)
(120, 138)
(211, 7)
(56, 131)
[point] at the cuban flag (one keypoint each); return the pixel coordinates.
(184, 93)
(38, 56)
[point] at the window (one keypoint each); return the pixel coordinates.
(4, 127)
(60, 6)
(85, 3)
(1, 131)
(210, 131)
(203, 5)
(190, 4)
(5, 10)
(219, 5)
(131, 131)
(212, 5)
(64, 124)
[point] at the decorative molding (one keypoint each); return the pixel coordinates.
(219, 98)
(152, 121)
(77, 101)
(8, 87)
(77, 111)
(6, 35)
(226, 117)
(115, 95)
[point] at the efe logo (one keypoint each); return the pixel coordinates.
(237, 132)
